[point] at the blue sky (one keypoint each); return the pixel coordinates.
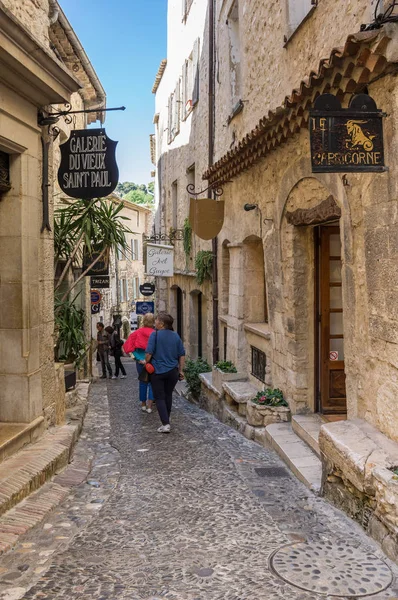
(125, 41)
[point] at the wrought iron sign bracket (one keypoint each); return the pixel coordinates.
(155, 238)
(51, 118)
(214, 187)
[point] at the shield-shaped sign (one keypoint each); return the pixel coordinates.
(206, 217)
(101, 267)
(88, 166)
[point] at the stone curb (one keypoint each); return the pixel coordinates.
(25, 497)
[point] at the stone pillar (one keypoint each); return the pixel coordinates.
(20, 221)
(236, 338)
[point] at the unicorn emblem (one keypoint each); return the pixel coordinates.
(358, 138)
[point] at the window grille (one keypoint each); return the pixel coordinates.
(259, 361)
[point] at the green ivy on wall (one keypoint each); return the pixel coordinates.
(203, 265)
(187, 237)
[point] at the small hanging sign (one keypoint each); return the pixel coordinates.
(206, 217)
(101, 267)
(159, 260)
(88, 166)
(100, 281)
(349, 139)
(147, 289)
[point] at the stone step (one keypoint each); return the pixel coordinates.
(14, 436)
(28, 469)
(307, 427)
(300, 459)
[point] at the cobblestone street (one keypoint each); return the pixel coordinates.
(194, 515)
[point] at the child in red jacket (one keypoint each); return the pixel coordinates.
(136, 344)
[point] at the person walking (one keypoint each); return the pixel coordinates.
(136, 344)
(103, 350)
(116, 345)
(166, 353)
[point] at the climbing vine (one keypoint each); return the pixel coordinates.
(203, 265)
(187, 237)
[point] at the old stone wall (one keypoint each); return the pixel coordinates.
(33, 14)
(180, 163)
(270, 70)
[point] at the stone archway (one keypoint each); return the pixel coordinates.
(309, 203)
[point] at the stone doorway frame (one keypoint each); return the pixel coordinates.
(332, 206)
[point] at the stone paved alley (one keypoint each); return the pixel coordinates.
(194, 515)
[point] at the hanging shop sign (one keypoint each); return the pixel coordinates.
(206, 217)
(100, 282)
(95, 297)
(95, 308)
(88, 166)
(147, 289)
(346, 139)
(101, 267)
(142, 308)
(159, 260)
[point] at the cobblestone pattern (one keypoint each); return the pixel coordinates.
(194, 515)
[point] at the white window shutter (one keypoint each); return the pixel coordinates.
(170, 120)
(298, 10)
(177, 107)
(184, 97)
(195, 71)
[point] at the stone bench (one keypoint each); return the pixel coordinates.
(238, 394)
(357, 460)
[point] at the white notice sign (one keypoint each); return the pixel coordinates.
(159, 260)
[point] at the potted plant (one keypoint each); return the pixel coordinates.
(225, 370)
(192, 370)
(268, 406)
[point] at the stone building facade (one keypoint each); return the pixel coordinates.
(43, 66)
(126, 268)
(181, 157)
(307, 269)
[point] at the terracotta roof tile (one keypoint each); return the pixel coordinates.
(345, 71)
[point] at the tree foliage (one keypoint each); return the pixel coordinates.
(79, 226)
(137, 193)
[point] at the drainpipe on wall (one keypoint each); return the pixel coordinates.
(211, 113)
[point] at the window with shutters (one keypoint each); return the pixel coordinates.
(137, 217)
(174, 113)
(135, 250)
(297, 13)
(190, 81)
(136, 287)
(123, 290)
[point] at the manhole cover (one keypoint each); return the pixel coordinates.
(331, 569)
(271, 472)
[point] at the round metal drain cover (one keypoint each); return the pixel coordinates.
(331, 569)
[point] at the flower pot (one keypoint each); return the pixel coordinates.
(261, 415)
(219, 377)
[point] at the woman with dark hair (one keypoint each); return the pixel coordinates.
(103, 349)
(167, 355)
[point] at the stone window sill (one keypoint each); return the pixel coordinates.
(260, 329)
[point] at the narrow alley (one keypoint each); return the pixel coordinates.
(194, 515)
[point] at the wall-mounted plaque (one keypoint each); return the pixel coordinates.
(346, 139)
(88, 166)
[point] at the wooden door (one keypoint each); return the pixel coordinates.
(331, 376)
